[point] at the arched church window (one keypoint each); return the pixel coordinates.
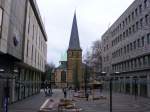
(63, 76)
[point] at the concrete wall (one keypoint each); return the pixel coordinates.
(126, 45)
(16, 28)
(5, 4)
(35, 48)
(26, 69)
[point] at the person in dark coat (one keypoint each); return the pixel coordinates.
(87, 96)
(65, 92)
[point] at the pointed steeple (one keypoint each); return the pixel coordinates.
(74, 43)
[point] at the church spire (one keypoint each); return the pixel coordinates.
(74, 43)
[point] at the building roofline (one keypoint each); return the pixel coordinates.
(38, 16)
(119, 18)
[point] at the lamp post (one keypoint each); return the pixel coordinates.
(85, 80)
(109, 78)
(135, 82)
(110, 87)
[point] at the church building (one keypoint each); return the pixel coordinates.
(74, 58)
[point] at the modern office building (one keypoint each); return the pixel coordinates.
(23, 49)
(126, 50)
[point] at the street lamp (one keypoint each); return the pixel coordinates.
(135, 85)
(109, 78)
(85, 80)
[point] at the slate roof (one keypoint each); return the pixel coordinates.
(74, 43)
(63, 65)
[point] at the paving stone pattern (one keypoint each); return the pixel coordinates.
(121, 103)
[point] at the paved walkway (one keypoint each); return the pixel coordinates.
(33, 103)
(30, 104)
(121, 103)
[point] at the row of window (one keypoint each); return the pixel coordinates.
(130, 17)
(38, 38)
(140, 42)
(39, 61)
(105, 59)
(106, 48)
(132, 64)
(131, 30)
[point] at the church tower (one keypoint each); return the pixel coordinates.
(74, 58)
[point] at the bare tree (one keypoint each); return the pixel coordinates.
(97, 56)
(49, 69)
(93, 58)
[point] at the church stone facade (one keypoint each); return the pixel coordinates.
(74, 59)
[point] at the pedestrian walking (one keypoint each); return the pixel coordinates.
(87, 96)
(65, 92)
(45, 87)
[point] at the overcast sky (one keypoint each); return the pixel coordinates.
(93, 19)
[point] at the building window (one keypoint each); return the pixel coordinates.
(120, 26)
(128, 48)
(129, 31)
(27, 48)
(131, 64)
(131, 46)
(146, 19)
(133, 28)
(37, 32)
(144, 60)
(35, 56)
(107, 46)
(134, 44)
(136, 12)
(137, 25)
(125, 49)
(121, 37)
(132, 15)
(126, 21)
(33, 31)
(140, 8)
(121, 51)
(139, 62)
(63, 76)
(124, 35)
(129, 18)
(145, 3)
(32, 54)
(138, 42)
(123, 24)
(148, 38)
(141, 22)
(29, 24)
(135, 63)
(143, 41)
